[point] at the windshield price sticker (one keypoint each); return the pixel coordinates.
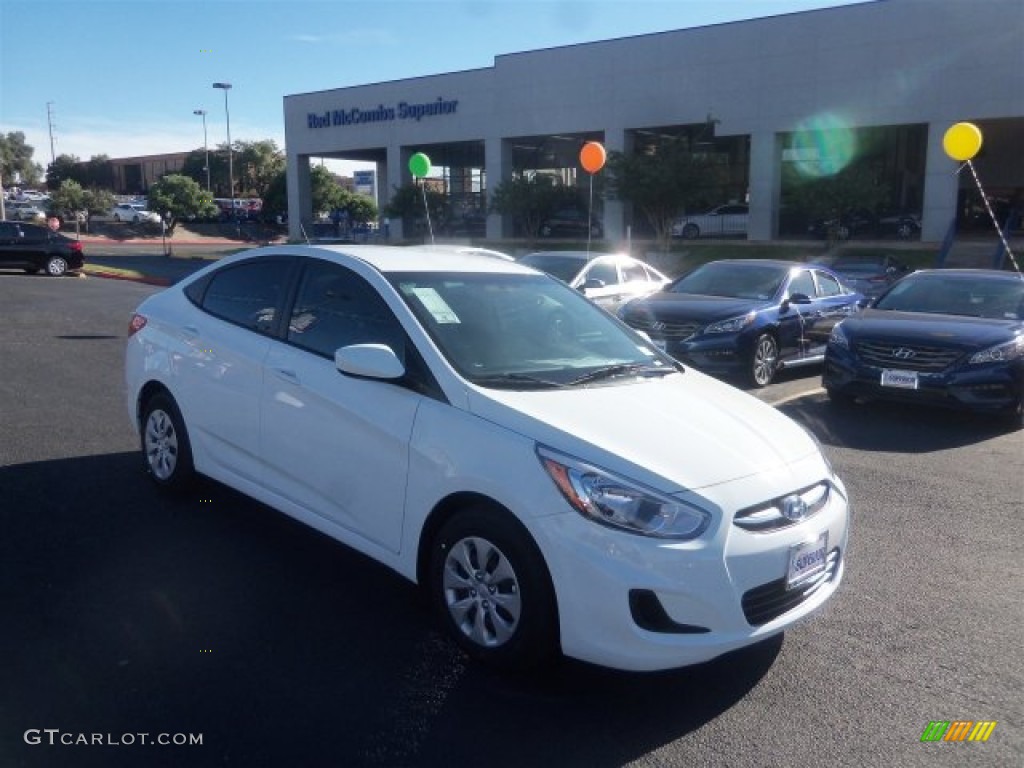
(806, 560)
(899, 379)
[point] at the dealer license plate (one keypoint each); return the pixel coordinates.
(807, 560)
(899, 379)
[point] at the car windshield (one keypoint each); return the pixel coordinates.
(565, 268)
(970, 296)
(736, 281)
(525, 331)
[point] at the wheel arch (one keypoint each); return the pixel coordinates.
(449, 507)
(149, 389)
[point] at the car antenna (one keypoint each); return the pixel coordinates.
(302, 229)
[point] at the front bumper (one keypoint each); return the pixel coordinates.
(637, 603)
(990, 388)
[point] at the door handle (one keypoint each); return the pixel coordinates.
(287, 374)
(190, 330)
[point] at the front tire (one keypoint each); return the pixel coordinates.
(764, 361)
(56, 266)
(691, 232)
(490, 589)
(165, 444)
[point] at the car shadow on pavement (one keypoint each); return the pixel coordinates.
(894, 427)
(128, 612)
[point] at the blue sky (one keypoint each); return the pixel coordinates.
(123, 78)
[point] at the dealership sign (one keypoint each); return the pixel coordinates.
(381, 114)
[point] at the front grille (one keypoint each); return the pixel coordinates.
(661, 330)
(769, 516)
(906, 357)
(769, 601)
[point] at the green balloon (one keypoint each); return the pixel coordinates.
(419, 165)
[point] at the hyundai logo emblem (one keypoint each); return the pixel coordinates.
(657, 325)
(902, 353)
(794, 508)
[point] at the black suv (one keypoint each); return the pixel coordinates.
(33, 248)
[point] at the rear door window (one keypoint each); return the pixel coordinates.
(249, 294)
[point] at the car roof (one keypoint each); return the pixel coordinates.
(394, 258)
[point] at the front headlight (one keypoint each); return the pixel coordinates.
(1000, 353)
(838, 337)
(614, 501)
(732, 325)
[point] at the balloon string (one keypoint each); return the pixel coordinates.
(590, 215)
(992, 215)
(426, 210)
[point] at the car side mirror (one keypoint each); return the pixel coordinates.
(592, 283)
(798, 298)
(369, 361)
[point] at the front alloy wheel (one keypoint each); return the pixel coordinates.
(490, 587)
(765, 360)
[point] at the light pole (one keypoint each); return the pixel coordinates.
(231, 168)
(206, 149)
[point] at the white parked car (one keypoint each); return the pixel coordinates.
(20, 210)
(134, 213)
(607, 279)
(723, 221)
(550, 479)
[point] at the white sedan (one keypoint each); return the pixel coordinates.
(723, 221)
(134, 213)
(607, 279)
(550, 479)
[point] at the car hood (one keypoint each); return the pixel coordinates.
(688, 306)
(683, 431)
(945, 330)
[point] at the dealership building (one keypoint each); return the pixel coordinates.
(773, 100)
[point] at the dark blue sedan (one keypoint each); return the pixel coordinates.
(747, 317)
(947, 337)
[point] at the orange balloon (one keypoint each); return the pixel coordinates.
(592, 157)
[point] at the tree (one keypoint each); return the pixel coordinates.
(62, 168)
(16, 166)
(663, 181)
(529, 200)
(325, 191)
(833, 198)
(259, 163)
(97, 201)
(67, 202)
(406, 203)
(177, 196)
(98, 172)
(275, 199)
(194, 166)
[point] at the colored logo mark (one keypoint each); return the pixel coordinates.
(958, 730)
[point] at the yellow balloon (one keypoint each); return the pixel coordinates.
(962, 141)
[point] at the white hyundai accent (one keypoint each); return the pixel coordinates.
(550, 478)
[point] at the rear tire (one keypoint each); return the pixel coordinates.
(165, 445)
(489, 587)
(56, 266)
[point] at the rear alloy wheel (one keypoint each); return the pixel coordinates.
(691, 231)
(490, 588)
(56, 266)
(165, 444)
(764, 361)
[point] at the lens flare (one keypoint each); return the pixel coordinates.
(823, 145)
